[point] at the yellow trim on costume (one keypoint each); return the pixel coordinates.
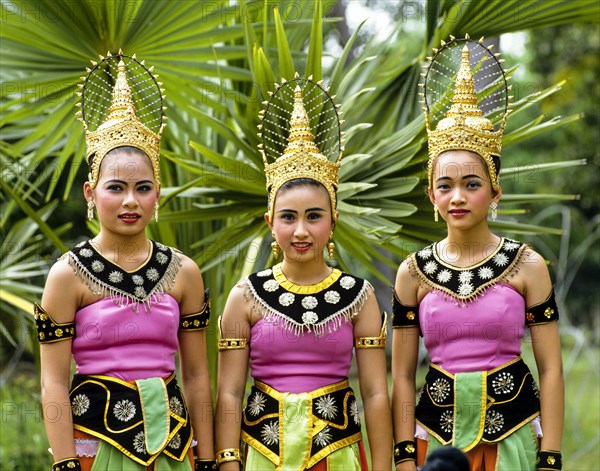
(258, 421)
(494, 402)
(431, 432)
(167, 421)
(482, 412)
(123, 450)
(305, 289)
(504, 365)
(181, 421)
(311, 394)
(263, 450)
(313, 424)
(98, 383)
(333, 447)
(514, 429)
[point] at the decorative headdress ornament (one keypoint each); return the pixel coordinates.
(465, 91)
(300, 133)
(121, 105)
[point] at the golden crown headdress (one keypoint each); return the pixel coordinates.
(121, 105)
(301, 135)
(465, 91)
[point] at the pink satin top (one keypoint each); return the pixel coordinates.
(477, 336)
(116, 341)
(296, 364)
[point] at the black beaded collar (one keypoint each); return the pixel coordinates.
(106, 278)
(465, 284)
(320, 308)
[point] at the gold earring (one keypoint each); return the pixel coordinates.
(331, 246)
(435, 213)
(90, 210)
(275, 248)
(331, 249)
(156, 211)
(494, 207)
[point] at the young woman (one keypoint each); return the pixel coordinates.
(470, 296)
(296, 323)
(122, 306)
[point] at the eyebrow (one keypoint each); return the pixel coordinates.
(466, 177)
(296, 212)
(142, 182)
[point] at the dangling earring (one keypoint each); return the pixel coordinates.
(494, 207)
(90, 210)
(435, 212)
(275, 248)
(331, 246)
(156, 211)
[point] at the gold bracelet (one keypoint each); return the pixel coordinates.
(228, 454)
(232, 344)
(229, 344)
(373, 342)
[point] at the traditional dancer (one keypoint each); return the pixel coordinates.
(122, 305)
(298, 321)
(471, 295)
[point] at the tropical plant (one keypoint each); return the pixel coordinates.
(218, 60)
(218, 63)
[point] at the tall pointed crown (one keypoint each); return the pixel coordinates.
(108, 104)
(303, 152)
(467, 124)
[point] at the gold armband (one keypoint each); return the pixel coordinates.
(373, 342)
(48, 330)
(197, 320)
(229, 343)
(228, 454)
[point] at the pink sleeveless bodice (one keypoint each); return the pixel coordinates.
(116, 341)
(477, 336)
(299, 363)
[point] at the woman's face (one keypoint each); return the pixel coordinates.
(462, 189)
(125, 194)
(302, 222)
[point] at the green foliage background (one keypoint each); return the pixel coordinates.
(218, 61)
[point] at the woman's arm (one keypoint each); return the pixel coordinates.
(193, 362)
(372, 374)
(233, 369)
(546, 348)
(405, 350)
(60, 300)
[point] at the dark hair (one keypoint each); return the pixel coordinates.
(496, 161)
(447, 458)
(118, 150)
(130, 149)
(300, 182)
(297, 182)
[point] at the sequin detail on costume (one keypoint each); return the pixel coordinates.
(270, 433)
(105, 278)
(465, 284)
(315, 308)
(124, 410)
(80, 404)
(326, 407)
